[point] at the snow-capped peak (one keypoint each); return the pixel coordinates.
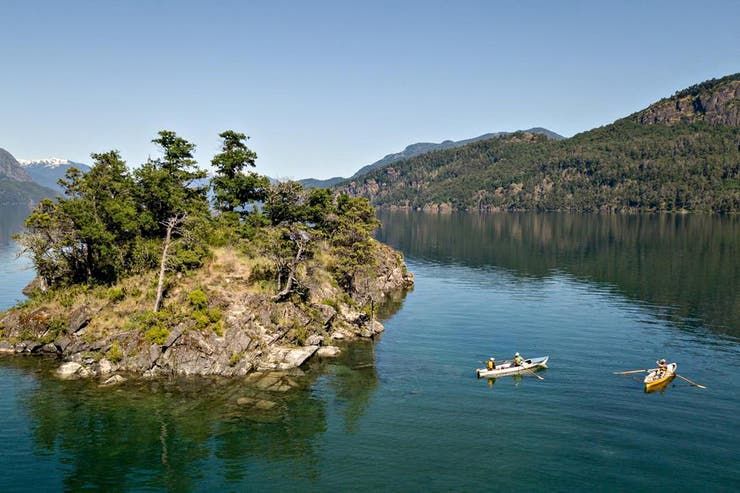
(49, 162)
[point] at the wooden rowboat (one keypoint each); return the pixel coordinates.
(655, 381)
(507, 367)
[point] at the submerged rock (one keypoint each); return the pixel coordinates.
(114, 380)
(285, 358)
(71, 369)
(328, 352)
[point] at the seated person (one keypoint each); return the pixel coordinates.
(662, 367)
(518, 360)
(491, 363)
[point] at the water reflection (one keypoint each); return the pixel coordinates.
(164, 434)
(688, 264)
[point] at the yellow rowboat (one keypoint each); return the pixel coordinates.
(654, 380)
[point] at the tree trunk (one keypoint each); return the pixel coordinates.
(291, 280)
(171, 224)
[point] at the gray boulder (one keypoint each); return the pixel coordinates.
(70, 369)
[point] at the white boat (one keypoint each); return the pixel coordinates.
(507, 367)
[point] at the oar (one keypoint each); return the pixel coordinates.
(629, 371)
(689, 381)
(533, 373)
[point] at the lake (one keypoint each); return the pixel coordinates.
(598, 293)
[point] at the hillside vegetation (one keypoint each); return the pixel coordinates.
(683, 153)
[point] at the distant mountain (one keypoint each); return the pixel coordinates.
(47, 172)
(680, 154)
(416, 150)
(16, 186)
(10, 168)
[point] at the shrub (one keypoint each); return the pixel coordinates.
(115, 353)
(115, 294)
(234, 359)
(157, 334)
(198, 299)
(214, 314)
(201, 319)
(156, 325)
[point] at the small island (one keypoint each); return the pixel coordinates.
(162, 271)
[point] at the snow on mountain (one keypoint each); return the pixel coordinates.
(53, 162)
(47, 172)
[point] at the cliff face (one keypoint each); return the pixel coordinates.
(237, 329)
(16, 186)
(716, 102)
(11, 168)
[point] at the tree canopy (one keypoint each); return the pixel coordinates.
(112, 222)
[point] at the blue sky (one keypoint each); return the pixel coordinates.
(326, 87)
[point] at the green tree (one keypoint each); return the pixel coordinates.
(170, 186)
(89, 235)
(234, 186)
(350, 232)
(285, 203)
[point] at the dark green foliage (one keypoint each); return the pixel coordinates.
(167, 186)
(350, 234)
(234, 187)
(347, 223)
(623, 166)
(285, 203)
(110, 223)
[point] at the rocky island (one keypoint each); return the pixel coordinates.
(138, 274)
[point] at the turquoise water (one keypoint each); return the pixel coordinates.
(596, 293)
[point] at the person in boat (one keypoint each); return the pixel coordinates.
(662, 367)
(518, 360)
(491, 363)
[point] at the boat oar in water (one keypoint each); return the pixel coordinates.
(629, 372)
(689, 381)
(533, 374)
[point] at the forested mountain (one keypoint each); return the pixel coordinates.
(47, 172)
(16, 186)
(681, 153)
(417, 150)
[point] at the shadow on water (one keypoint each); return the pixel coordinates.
(166, 434)
(685, 265)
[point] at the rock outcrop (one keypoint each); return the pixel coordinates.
(716, 102)
(96, 337)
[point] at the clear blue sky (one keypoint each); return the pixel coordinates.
(326, 87)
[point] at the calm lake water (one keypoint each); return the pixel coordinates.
(596, 293)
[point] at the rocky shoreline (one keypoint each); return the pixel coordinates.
(259, 335)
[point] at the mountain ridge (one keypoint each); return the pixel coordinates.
(417, 149)
(16, 184)
(681, 153)
(47, 172)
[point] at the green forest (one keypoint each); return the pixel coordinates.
(690, 164)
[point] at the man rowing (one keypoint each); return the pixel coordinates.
(518, 360)
(662, 367)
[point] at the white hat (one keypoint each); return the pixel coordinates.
(491, 358)
(517, 354)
